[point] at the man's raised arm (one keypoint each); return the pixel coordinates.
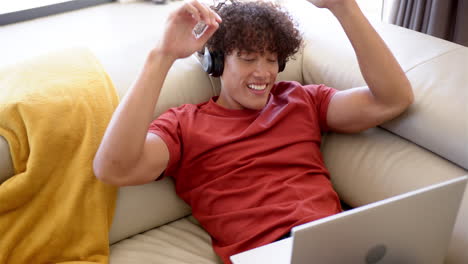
(128, 154)
(389, 92)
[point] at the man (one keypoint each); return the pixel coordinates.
(248, 161)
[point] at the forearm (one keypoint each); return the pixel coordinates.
(124, 138)
(382, 73)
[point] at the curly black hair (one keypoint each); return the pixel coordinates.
(255, 27)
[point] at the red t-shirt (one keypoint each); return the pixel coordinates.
(251, 175)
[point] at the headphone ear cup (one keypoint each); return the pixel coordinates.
(213, 62)
(218, 63)
(281, 65)
(207, 62)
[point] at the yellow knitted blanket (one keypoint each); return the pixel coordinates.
(53, 113)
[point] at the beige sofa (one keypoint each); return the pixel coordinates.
(426, 145)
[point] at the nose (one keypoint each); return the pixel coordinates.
(263, 69)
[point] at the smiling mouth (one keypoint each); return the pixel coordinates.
(257, 87)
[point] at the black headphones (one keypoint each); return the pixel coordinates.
(213, 63)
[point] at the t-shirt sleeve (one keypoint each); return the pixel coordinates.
(167, 127)
(321, 96)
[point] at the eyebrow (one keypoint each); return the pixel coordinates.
(265, 52)
(244, 52)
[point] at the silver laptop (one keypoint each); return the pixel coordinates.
(413, 228)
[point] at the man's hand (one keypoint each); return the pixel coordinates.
(178, 40)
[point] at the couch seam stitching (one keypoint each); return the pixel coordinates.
(430, 59)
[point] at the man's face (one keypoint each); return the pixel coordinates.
(247, 79)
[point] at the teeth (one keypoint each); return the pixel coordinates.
(257, 87)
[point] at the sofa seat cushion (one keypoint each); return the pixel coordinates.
(180, 242)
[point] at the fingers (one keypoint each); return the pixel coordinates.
(215, 16)
(193, 11)
(204, 12)
(201, 12)
(208, 33)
